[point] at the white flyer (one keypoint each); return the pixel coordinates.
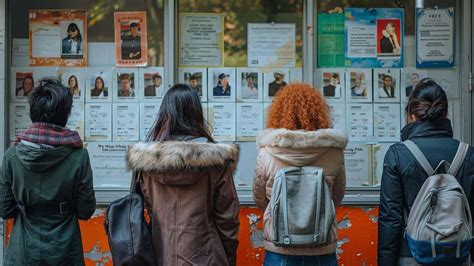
(357, 160)
(410, 78)
(249, 85)
(274, 80)
(75, 80)
(19, 119)
(99, 84)
(387, 122)
(148, 115)
(125, 123)
(196, 78)
(338, 115)
(98, 119)
(125, 81)
(359, 122)
(386, 85)
(152, 84)
(108, 164)
(75, 121)
(271, 45)
(331, 83)
(221, 84)
(249, 120)
(222, 119)
(379, 151)
(359, 85)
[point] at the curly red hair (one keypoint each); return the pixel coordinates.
(299, 106)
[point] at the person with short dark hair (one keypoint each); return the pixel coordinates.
(131, 43)
(72, 44)
(414, 81)
(402, 178)
(223, 87)
(154, 89)
(125, 86)
(387, 90)
(46, 184)
(194, 84)
(333, 89)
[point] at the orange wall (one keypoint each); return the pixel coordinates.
(357, 243)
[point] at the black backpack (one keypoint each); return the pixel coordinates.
(128, 232)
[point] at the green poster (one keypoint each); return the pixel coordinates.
(330, 40)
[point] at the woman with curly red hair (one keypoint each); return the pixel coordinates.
(299, 134)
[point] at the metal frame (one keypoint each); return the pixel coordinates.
(467, 97)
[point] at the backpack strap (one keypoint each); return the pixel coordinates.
(284, 205)
(458, 159)
(419, 156)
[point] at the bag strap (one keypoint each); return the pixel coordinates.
(318, 202)
(419, 156)
(285, 206)
(458, 159)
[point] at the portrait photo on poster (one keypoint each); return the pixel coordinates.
(387, 85)
(221, 84)
(152, 83)
(331, 83)
(196, 78)
(273, 81)
(126, 84)
(72, 44)
(389, 38)
(249, 87)
(131, 38)
(99, 85)
(74, 80)
(23, 81)
(411, 77)
(359, 85)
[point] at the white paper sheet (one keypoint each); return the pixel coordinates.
(217, 90)
(125, 82)
(379, 151)
(331, 83)
(98, 119)
(387, 122)
(148, 114)
(196, 78)
(357, 160)
(359, 85)
(338, 115)
(359, 122)
(125, 123)
(222, 118)
(76, 119)
(273, 80)
(74, 78)
(249, 120)
(249, 85)
(99, 84)
(19, 119)
(20, 52)
(386, 85)
(152, 84)
(411, 77)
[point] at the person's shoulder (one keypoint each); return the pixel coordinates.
(80, 154)
(10, 153)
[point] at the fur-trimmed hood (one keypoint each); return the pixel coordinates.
(171, 157)
(299, 148)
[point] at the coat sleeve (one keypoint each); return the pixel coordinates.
(259, 182)
(85, 202)
(339, 188)
(7, 200)
(390, 222)
(226, 215)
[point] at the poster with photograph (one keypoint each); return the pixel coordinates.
(338, 115)
(74, 79)
(152, 84)
(201, 40)
(379, 151)
(196, 78)
(411, 77)
(271, 45)
(387, 122)
(358, 164)
(125, 122)
(19, 119)
(331, 83)
(75, 121)
(221, 84)
(249, 121)
(148, 115)
(222, 117)
(386, 85)
(22, 83)
(249, 85)
(98, 117)
(273, 81)
(58, 37)
(435, 37)
(359, 121)
(131, 38)
(107, 163)
(125, 81)
(359, 85)
(374, 37)
(99, 85)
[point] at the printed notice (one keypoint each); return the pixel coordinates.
(19, 119)
(359, 122)
(379, 156)
(357, 160)
(108, 164)
(148, 114)
(387, 122)
(201, 40)
(330, 40)
(125, 121)
(76, 119)
(98, 122)
(338, 115)
(249, 120)
(271, 45)
(222, 119)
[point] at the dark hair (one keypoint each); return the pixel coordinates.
(102, 80)
(180, 114)
(74, 27)
(125, 77)
(50, 102)
(156, 76)
(75, 79)
(387, 76)
(428, 101)
(193, 77)
(30, 78)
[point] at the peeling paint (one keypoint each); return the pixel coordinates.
(339, 246)
(256, 235)
(99, 257)
(373, 218)
(345, 223)
(367, 209)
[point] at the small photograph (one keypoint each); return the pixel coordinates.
(99, 85)
(359, 84)
(387, 82)
(332, 84)
(152, 82)
(222, 82)
(196, 78)
(389, 37)
(249, 87)
(24, 83)
(72, 45)
(273, 81)
(126, 85)
(411, 78)
(73, 79)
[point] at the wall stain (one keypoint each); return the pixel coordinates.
(256, 235)
(99, 257)
(345, 223)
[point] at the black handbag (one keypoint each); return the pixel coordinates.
(129, 234)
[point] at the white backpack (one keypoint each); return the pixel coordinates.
(439, 224)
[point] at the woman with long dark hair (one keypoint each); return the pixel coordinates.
(430, 130)
(99, 89)
(72, 44)
(74, 86)
(187, 182)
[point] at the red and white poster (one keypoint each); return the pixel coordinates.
(130, 38)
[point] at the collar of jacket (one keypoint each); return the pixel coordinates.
(300, 139)
(420, 129)
(178, 156)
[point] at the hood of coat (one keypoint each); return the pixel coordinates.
(39, 158)
(179, 162)
(299, 148)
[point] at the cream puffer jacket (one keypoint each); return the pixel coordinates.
(280, 148)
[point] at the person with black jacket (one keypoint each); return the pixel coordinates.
(403, 177)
